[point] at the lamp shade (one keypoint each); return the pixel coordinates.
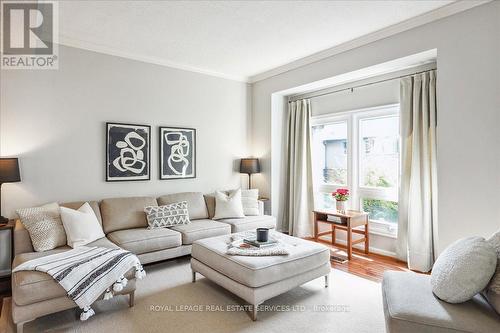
(249, 165)
(9, 170)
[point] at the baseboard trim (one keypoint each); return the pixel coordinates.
(372, 249)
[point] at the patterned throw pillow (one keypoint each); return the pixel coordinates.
(44, 226)
(168, 215)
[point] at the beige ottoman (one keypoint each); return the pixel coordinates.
(256, 279)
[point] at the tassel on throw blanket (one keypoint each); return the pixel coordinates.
(87, 272)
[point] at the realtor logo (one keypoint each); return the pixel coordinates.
(28, 35)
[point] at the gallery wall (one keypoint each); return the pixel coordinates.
(54, 121)
(468, 49)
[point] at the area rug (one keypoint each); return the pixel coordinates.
(167, 301)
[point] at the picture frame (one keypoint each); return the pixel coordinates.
(177, 153)
(128, 152)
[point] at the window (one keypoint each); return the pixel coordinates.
(379, 158)
(330, 153)
(359, 150)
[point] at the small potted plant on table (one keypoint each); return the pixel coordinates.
(341, 196)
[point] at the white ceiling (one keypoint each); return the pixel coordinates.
(234, 39)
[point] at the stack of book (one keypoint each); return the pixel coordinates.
(254, 242)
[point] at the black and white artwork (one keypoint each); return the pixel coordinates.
(177, 153)
(127, 152)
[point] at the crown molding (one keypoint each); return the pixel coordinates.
(437, 14)
(79, 44)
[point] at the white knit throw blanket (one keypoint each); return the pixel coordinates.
(87, 272)
(280, 249)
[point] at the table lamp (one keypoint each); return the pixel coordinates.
(249, 166)
(9, 173)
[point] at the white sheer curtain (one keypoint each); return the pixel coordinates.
(417, 229)
(298, 202)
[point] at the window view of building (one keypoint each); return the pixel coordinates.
(330, 152)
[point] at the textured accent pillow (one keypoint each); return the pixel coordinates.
(463, 269)
(167, 215)
(492, 291)
(44, 226)
(250, 202)
(81, 226)
(228, 205)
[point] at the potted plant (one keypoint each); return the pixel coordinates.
(341, 196)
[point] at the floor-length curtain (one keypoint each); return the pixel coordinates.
(417, 225)
(298, 202)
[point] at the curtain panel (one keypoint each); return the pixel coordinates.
(417, 225)
(298, 202)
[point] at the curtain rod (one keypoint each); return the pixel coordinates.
(360, 86)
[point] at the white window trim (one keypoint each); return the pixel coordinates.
(353, 157)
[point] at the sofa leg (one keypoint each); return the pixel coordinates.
(193, 276)
(255, 307)
(326, 281)
(20, 327)
(131, 299)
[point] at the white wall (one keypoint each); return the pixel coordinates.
(54, 120)
(468, 49)
(383, 93)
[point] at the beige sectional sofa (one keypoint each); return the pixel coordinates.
(36, 294)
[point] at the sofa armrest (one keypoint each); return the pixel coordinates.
(261, 207)
(22, 240)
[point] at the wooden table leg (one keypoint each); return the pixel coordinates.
(367, 237)
(333, 234)
(316, 217)
(349, 240)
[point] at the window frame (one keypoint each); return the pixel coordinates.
(358, 192)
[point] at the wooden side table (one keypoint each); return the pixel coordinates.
(349, 220)
(6, 254)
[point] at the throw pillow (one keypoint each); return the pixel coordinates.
(44, 226)
(250, 202)
(228, 205)
(167, 215)
(492, 291)
(463, 269)
(81, 226)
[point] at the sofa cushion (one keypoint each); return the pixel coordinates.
(125, 213)
(196, 203)
(29, 286)
(199, 229)
(210, 201)
(259, 271)
(142, 240)
(410, 306)
(251, 223)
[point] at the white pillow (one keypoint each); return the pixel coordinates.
(228, 205)
(492, 291)
(463, 269)
(250, 202)
(82, 226)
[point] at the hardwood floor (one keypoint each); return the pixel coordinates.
(368, 266)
